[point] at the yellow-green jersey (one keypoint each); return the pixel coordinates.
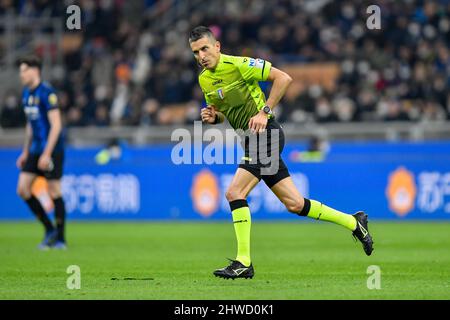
(232, 87)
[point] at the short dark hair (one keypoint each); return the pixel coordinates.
(200, 32)
(31, 61)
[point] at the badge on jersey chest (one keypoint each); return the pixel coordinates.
(33, 100)
(220, 94)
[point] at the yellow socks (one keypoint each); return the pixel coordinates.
(312, 209)
(316, 210)
(242, 225)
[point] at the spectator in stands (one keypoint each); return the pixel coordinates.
(127, 57)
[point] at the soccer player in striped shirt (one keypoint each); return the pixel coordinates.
(43, 151)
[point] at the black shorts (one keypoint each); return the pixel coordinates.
(262, 154)
(31, 165)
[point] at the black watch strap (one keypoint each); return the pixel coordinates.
(267, 110)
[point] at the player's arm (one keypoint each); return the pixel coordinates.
(54, 117)
(260, 70)
(280, 82)
(28, 137)
(219, 117)
(211, 116)
(26, 146)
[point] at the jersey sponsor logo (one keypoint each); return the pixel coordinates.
(401, 191)
(52, 99)
(220, 94)
(217, 82)
(256, 63)
(259, 63)
(32, 112)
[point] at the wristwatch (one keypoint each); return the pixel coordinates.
(267, 110)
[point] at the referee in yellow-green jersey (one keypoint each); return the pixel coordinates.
(231, 88)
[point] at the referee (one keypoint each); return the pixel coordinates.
(231, 90)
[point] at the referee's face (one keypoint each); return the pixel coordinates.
(206, 52)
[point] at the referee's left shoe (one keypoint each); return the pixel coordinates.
(362, 232)
(235, 270)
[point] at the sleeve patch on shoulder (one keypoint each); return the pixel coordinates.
(257, 63)
(52, 99)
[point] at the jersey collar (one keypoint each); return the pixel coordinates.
(35, 88)
(218, 63)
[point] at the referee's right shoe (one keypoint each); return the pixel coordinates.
(362, 232)
(235, 270)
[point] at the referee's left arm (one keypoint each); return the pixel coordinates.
(281, 81)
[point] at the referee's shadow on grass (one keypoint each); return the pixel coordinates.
(129, 278)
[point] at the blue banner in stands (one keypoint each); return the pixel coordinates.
(399, 181)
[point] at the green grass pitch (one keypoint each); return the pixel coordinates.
(164, 260)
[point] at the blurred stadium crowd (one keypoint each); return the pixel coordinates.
(126, 68)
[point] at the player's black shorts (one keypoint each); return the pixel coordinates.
(263, 154)
(31, 165)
